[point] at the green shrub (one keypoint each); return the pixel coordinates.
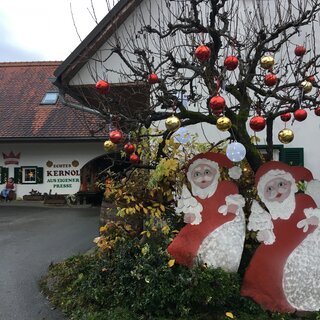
(135, 282)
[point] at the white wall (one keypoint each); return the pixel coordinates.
(61, 156)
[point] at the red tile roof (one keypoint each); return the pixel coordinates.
(22, 88)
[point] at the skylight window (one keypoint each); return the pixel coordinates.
(50, 98)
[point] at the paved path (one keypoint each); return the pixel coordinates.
(31, 237)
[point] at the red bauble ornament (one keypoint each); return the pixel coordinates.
(317, 111)
(257, 123)
(129, 148)
(217, 103)
(300, 51)
(286, 117)
(231, 63)
(217, 112)
(311, 79)
(300, 114)
(153, 78)
(115, 136)
(203, 53)
(134, 158)
(103, 86)
(270, 79)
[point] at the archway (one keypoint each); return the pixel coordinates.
(93, 176)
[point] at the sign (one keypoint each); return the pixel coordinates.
(63, 175)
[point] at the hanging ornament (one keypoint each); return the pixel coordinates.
(286, 117)
(134, 158)
(236, 151)
(116, 136)
(109, 146)
(306, 86)
(217, 112)
(257, 123)
(129, 148)
(299, 51)
(311, 79)
(103, 87)
(267, 62)
(300, 114)
(153, 78)
(224, 124)
(217, 103)
(231, 63)
(285, 136)
(317, 111)
(270, 79)
(203, 53)
(172, 123)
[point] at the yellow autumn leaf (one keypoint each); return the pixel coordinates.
(162, 208)
(171, 263)
(229, 315)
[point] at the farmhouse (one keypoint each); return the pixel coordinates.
(45, 145)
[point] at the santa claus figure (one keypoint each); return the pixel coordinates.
(283, 274)
(215, 230)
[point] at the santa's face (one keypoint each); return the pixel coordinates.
(277, 190)
(203, 175)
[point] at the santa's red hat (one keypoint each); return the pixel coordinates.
(297, 172)
(219, 158)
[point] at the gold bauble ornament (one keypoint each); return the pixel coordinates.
(306, 86)
(172, 123)
(285, 136)
(266, 62)
(109, 146)
(223, 123)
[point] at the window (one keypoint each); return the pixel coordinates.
(28, 175)
(291, 156)
(50, 98)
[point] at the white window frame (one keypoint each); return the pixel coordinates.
(24, 181)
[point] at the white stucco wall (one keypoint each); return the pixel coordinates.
(62, 177)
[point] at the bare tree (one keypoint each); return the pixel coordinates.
(273, 57)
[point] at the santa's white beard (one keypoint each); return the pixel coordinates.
(204, 193)
(282, 210)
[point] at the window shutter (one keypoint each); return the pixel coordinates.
(39, 175)
(292, 156)
(17, 175)
(4, 172)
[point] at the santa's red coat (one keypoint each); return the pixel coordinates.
(263, 278)
(185, 245)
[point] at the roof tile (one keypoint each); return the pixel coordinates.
(22, 87)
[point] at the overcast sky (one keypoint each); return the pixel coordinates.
(32, 30)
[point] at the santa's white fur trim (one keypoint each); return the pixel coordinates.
(235, 172)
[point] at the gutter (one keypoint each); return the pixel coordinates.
(79, 106)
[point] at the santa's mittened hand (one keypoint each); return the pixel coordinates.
(189, 217)
(314, 221)
(266, 236)
(223, 209)
(303, 224)
(192, 218)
